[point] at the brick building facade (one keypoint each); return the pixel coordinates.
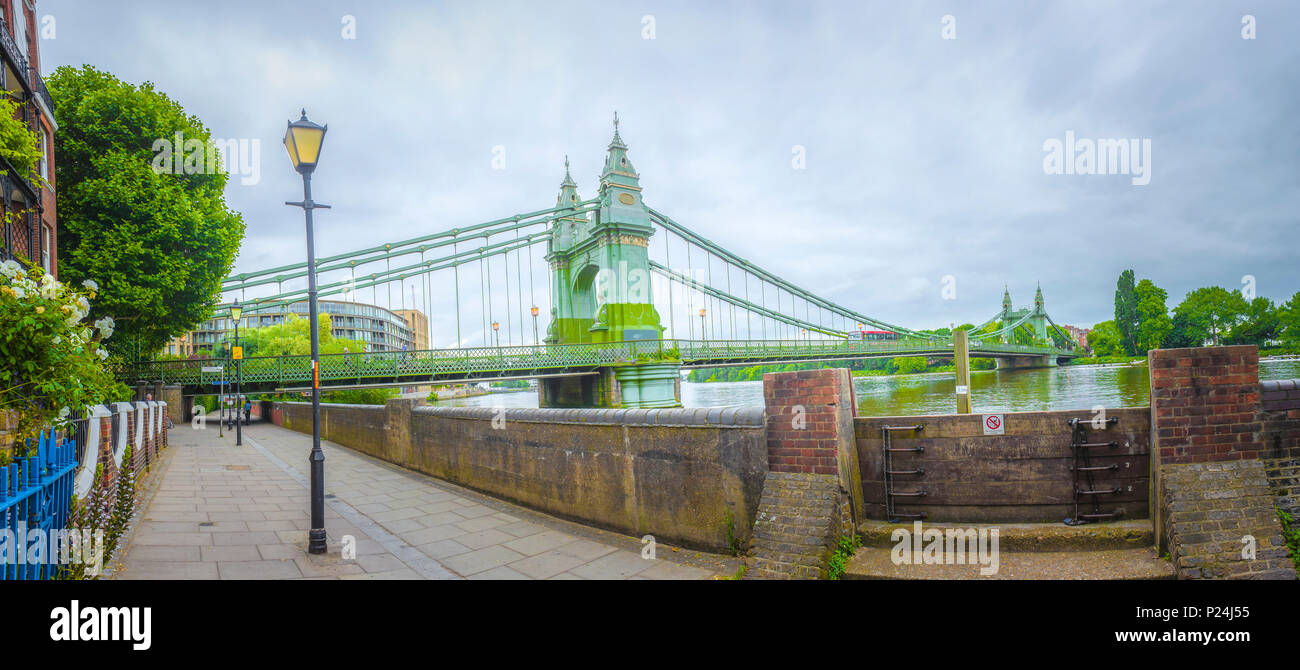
(31, 231)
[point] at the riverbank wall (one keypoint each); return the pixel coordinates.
(1206, 462)
(686, 476)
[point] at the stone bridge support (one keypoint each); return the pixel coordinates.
(640, 386)
(1026, 362)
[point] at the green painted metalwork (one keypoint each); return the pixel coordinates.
(447, 365)
(600, 267)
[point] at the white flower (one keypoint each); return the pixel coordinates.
(103, 355)
(83, 304)
(90, 284)
(105, 326)
(20, 292)
(10, 268)
(49, 291)
(63, 413)
(57, 339)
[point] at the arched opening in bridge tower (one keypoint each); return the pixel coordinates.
(584, 291)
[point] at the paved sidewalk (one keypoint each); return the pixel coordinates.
(226, 512)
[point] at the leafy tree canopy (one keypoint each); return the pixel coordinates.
(1105, 340)
(1207, 315)
(158, 243)
(1126, 311)
(292, 337)
(1153, 323)
(1260, 323)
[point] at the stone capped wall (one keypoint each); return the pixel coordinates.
(677, 474)
(1280, 427)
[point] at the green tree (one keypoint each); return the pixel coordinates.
(1105, 340)
(1260, 323)
(1206, 315)
(292, 337)
(1288, 316)
(18, 144)
(1126, 312)
(1152, 316)
(908, 364)
(158, 242)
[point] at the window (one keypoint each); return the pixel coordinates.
(45, 155)
(46, 260)
(20, 24)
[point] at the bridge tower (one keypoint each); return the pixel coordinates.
(600, 274)
(600, 268)
(1039, 319)
(1007, 309)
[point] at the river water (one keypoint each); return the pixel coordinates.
(1068, 387)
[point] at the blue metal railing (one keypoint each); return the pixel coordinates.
(35, 493)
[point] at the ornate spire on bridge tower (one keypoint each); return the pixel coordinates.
(1038, 300)
(568, 229)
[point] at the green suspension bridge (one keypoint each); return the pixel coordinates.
(606, 342)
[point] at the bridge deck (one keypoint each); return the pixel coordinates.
(451, 365)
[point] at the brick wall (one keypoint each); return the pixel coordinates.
(1212, 428)
(803, 410)
(813, 492)
(1205, 403)
(1279, 418)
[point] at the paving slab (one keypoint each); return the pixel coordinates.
(226, 512)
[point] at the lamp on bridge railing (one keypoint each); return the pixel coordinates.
(804, 332)
(496, 332)
(303, 140)
(534, 310)
(703, 312)
(235, 312)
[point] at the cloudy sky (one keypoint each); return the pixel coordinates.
(924, 156)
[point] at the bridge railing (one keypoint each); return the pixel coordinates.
(394, 364)
(475, 361)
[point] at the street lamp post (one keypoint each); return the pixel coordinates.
(496, 337)
(535, 340)
(703, 312)
(235, 312)
(303, 139)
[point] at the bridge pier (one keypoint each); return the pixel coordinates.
(644, 385)
(1026, 362)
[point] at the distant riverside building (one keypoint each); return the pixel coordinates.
(1079, 335)
(418, 323)
(380, 329)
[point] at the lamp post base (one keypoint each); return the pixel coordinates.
(316, 541)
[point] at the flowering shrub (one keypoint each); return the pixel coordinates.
(50, 361)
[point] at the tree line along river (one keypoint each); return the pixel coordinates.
(1066, 387)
